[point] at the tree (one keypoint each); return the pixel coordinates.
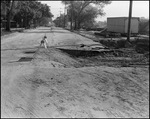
(44, 21)
(45, 11)
(78, 8)
(88, 16)
(59, 21)
(24, 13)
(100, 24)
(3, 9)
(31, 12)
(8, 7)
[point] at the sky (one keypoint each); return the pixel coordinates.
(115, 9)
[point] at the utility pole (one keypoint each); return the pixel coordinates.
(71, 14)
(60, 19)
(64, 14)
(129, 21)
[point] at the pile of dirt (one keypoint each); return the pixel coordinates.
(114, 43)
(119, 53)
(124, 57)
(142, 45)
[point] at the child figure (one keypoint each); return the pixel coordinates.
(44, 42)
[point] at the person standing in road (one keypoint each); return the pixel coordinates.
(44, 42)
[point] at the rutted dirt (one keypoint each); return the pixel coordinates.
(55, 84)
(83, 92)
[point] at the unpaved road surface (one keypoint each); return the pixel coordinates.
(36, 82)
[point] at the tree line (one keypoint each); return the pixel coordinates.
(81, 14)
(25, 13)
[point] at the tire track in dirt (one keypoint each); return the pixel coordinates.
(42, 89)
(128, 98)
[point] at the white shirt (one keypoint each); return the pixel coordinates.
(45, 40)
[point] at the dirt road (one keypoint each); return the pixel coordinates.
(36, 82)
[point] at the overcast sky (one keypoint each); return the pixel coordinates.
(115, 9)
